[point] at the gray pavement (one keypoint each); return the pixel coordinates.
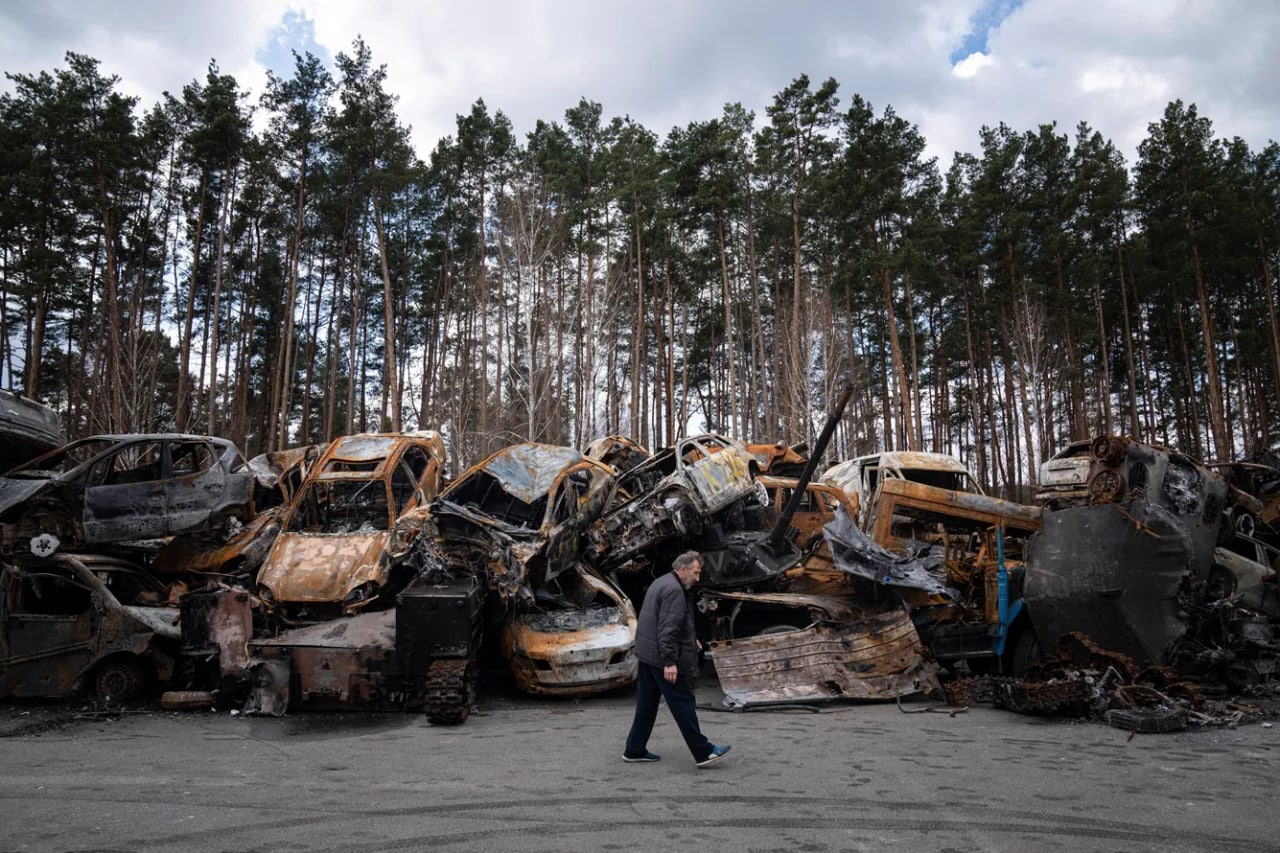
(535, 774)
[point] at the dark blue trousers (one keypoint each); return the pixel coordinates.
(649, 686)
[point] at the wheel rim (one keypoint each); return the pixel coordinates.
(119, 681)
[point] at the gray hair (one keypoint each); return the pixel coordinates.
(685, 560)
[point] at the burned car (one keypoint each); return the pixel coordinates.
(518, 519)
(71, 624)
(861, 477)
(350, 523)
(119, 488)
(701, 480)
(1064, 477)
(27, 429)
(780, 459)
(574, 650)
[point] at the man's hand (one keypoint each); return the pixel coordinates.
(670, 673)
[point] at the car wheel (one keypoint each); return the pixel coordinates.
(120, 680)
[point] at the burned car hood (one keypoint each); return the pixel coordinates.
(14, 491)
(323, 567)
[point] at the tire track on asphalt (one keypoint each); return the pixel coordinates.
(526, 815)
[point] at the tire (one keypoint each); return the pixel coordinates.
(1025, 652)
(119, 680)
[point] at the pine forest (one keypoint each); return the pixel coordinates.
(284, 269)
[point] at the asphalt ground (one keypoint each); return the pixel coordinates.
(535, 774)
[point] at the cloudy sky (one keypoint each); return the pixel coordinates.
(949, 66)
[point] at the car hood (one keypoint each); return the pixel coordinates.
(14, 491)
(323, 567)
(159, 620)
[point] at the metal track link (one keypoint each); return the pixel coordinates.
(450, 691)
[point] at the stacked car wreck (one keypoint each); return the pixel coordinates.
(356, 575)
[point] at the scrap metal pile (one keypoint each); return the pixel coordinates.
(356, 575)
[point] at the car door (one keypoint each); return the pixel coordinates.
(125, 495)
(49, 626)
(196, 487)
(718, 473)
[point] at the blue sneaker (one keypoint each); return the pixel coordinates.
(717, 753)
(638, 759)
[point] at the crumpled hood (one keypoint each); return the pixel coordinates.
(854, 552)
(14, 491)
(160, 620)
(323, 567)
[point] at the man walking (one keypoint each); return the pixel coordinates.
(668, 653)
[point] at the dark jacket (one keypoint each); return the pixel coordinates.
(664, 634)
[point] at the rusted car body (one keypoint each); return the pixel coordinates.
(842, 652)
(574, 650)
(27, 429)
(861, 477)
(956, 559)
(779, 459)
(1258, 477)
(1064, 477)
(817, 506)
(699, 481)
(351, 521)
(903, 509)
(518, 519)
(81, 623)
(117, 488)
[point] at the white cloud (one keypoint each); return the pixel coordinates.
(972, 64)
(669, 62)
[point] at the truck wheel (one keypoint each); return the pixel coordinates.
(1026, 652)
(119, 680)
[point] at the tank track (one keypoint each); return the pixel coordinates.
(450, 691)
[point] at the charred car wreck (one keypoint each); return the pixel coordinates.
(84, 624)
(118, 488)
(519, 519)
(350, 525)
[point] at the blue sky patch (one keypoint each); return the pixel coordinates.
(295, 32)
(986, 19)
